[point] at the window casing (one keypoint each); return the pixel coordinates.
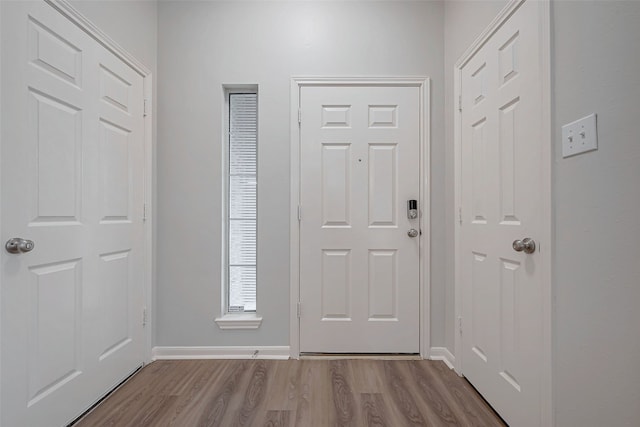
(241, 192)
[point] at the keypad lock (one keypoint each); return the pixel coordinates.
(412, 209)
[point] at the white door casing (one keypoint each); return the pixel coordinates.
(360, 161)
(502, 190)
(73, 172)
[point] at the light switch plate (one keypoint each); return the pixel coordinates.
(579, 136)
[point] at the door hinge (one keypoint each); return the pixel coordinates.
(299, 115)
(460, 103)
(460, 216)
(299, 213)
(144, 316)
(298, 309)
(144, 108)
(460, 325)
(144, 212)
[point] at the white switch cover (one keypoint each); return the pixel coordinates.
(579, 136)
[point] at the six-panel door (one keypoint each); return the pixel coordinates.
(359, 270)
(72, 175)
(501, 202)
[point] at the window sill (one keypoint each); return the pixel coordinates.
(239, 321)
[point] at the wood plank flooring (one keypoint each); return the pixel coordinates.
(323, 393)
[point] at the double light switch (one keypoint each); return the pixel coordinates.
(579, 136)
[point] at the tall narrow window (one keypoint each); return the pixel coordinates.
(242, 202)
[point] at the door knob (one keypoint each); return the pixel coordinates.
(526, 245)
(413, 233)
(17, 245)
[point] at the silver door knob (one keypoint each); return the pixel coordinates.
(413, 233)
(526, 245)
(17, 245)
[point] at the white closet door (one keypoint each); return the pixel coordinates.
(72, 182)
(501, 150)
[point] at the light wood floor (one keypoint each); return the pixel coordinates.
(322, 393)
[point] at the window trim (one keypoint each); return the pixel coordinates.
(227, 320)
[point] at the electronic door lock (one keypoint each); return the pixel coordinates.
(412, 209)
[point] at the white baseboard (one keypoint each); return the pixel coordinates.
(221, 352)
(443, 353)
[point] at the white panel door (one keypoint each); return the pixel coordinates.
(72, 164)
(501, 168)
(359, 270)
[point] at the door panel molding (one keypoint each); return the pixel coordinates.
(546, 234)
(383, 117)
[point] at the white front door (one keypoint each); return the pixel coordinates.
(359, 269)
(72, 182)
(501, 178)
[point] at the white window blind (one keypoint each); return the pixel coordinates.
(242, 227)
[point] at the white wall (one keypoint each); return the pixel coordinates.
(206, 44)
(464, 21)
(597, 216)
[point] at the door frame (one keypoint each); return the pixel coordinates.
(547, 236)
(74, 16)
(423, 84)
